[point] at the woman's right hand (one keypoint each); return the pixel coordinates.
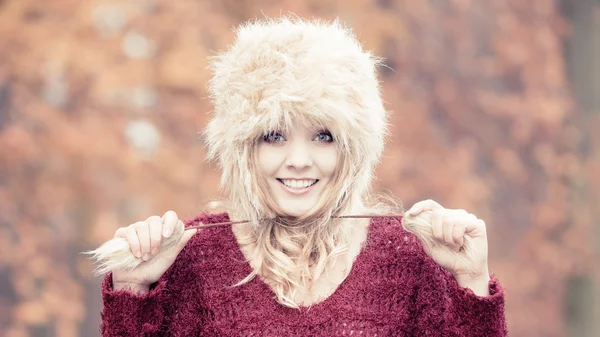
(145, 239)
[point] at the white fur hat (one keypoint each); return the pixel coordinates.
(285, 70)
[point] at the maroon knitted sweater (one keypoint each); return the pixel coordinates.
(393, 289)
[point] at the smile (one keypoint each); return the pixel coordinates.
(299, 186)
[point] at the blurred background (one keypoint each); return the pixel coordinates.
(496, 109)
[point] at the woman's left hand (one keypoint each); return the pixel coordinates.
(450, 226)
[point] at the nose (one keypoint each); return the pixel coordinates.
(298, 155)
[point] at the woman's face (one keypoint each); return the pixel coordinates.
(298, 166)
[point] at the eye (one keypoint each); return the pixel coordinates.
(273, 137)
(324, 137)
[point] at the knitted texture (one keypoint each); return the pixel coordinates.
(393, 289)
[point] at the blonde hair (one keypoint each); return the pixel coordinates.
(279, 72)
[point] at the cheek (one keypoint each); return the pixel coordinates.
(267, 160)
(330, 161)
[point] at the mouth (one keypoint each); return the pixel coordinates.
(298, 186)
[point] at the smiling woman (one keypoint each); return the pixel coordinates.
(298, 128)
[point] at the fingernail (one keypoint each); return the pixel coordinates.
(165, 232)
(138, 254)
(146, 257)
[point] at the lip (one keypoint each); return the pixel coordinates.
(297, 191)
(297, 178)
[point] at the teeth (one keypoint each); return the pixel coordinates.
(299, 184)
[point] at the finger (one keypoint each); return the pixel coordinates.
(422, 206)
(134, 242)
(169, 222)
(143, 233)
(476, 228)
(416, 208)
(448, 228)
(179, 225)
(187, 235)
(155, 225)
(471, 217)
(436, 225)
(459, 234)
(121, 232)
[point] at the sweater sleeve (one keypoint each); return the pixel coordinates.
(129, 314)
(444, 308)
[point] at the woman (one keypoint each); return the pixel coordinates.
(297, 130)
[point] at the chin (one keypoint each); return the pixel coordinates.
(296, 211)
